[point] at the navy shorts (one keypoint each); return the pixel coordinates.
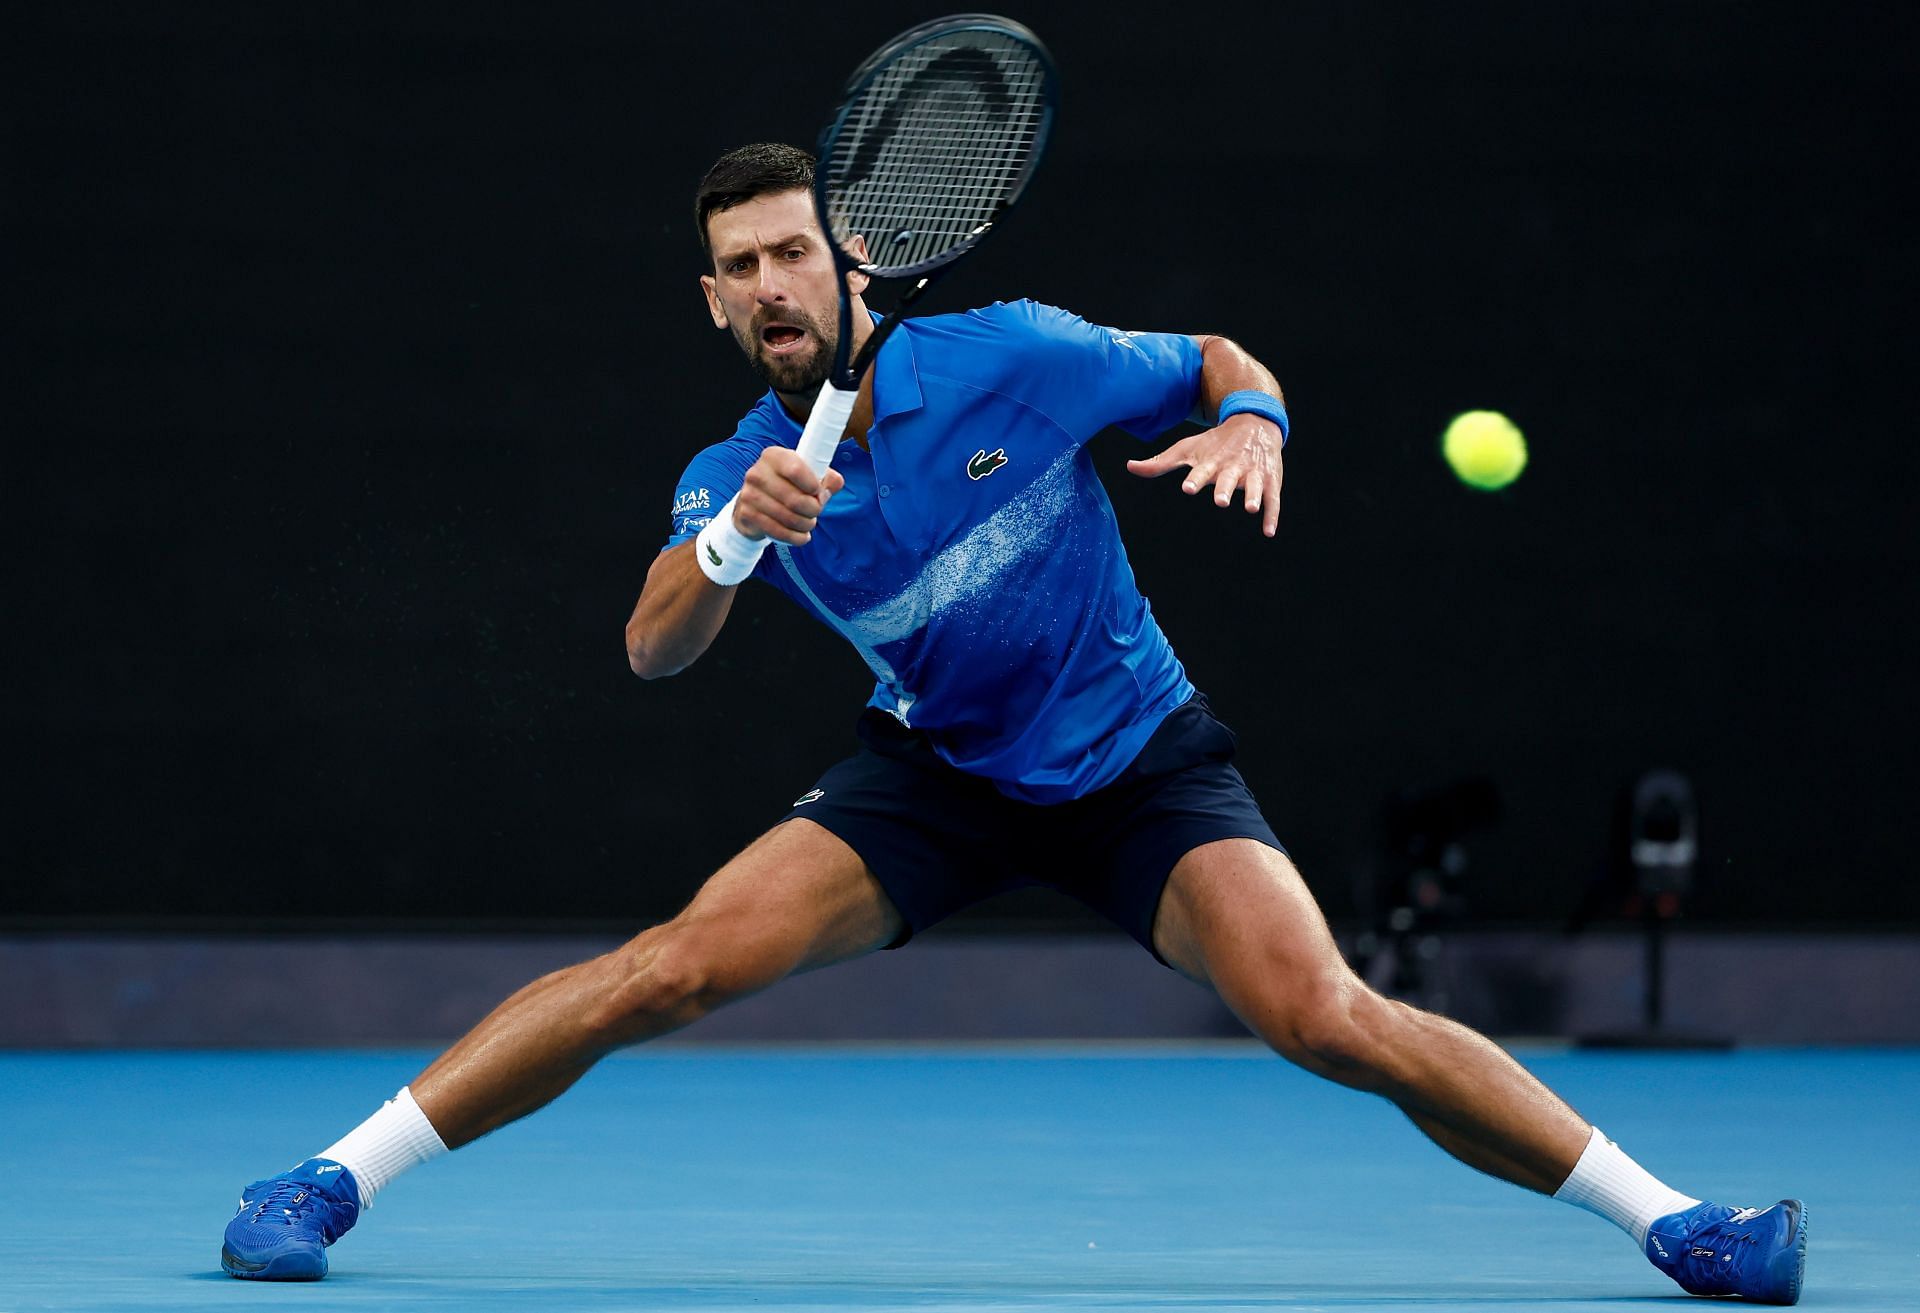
(938, 839)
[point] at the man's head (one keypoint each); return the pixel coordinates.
(746, 173)
(772, 278)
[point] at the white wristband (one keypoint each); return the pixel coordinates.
(726, 555)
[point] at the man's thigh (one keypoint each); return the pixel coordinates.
(1116, 848)
(1236, 915)
(795, 899)
(935, 839)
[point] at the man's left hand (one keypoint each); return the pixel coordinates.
(1243, 453)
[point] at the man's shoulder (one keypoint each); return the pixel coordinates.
(766, 425)
(1015, 347)
(990, 325)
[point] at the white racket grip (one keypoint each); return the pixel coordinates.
(825, 427)
(726, 555)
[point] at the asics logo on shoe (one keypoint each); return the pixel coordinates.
(322, 1171)
(1745, 1215)
(1654, 1240)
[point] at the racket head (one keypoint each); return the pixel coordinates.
(938, 136)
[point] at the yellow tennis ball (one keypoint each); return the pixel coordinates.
(1484, 448)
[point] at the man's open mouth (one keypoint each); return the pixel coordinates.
(782, 338)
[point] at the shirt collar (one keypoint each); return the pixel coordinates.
(896, 384)
(896, 377)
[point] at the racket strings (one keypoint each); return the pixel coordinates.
(949, 164)
(936, 144)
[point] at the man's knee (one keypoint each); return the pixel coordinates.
(666, 978)
(1335, 1026)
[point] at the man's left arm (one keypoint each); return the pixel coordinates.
(1241, 451)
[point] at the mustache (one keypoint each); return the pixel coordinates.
(791, 319)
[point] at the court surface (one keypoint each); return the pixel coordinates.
(931, 1179)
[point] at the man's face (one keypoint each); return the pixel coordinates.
(773, 285)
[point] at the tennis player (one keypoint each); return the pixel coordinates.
(1029, 724)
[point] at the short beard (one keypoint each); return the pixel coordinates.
(795, 377)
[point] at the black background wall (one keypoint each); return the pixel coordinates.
(354, 355)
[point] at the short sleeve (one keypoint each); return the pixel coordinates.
(710, 481)
(1086, 377)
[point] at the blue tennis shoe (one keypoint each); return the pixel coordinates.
(285, 1223)
(1756, 1253)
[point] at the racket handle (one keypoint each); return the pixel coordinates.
(826, 425)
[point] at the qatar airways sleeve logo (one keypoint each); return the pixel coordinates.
(694, 499)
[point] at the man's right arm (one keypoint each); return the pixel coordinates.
(681, 610)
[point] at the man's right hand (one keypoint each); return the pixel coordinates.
(781, 499)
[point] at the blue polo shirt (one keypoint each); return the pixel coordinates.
(973, 559)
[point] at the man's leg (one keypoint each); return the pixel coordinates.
(1235, 914)
(797, 899)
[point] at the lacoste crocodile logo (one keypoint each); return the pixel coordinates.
(713, 555)
(985, 462)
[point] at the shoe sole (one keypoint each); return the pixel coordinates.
(281, 1267)
(1799, 1211)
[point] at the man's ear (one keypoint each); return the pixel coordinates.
(857, 247)
(714, 307)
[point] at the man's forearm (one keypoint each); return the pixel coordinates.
(678, 614)
(1226, 368)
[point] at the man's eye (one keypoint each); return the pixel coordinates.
(793, 253)
(737, 267)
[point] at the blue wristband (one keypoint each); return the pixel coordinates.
(1251, 401)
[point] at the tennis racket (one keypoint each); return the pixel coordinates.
(937, 138)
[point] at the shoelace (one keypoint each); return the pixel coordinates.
(285, 1202)
(1711, 1257)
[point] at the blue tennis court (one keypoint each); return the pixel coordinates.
(938, 1178)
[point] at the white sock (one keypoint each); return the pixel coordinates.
(386, 1144)
(1607, 1182)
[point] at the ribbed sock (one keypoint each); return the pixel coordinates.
(1607, 1182)
(386, 1144)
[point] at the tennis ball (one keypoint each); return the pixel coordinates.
(1484, 448)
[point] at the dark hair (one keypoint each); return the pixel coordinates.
(745, 172)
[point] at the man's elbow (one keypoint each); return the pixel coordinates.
(644, 661)
(641, 666)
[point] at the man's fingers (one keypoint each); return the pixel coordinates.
(782, 498)
(777, 525)
(774, 490)
(1154, 466)
(1256, 484)
(1223, 490)
(789, 468)
(1198, 477)
(802, 518)
(757, 512)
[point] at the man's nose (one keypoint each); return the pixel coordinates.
(772, 286)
